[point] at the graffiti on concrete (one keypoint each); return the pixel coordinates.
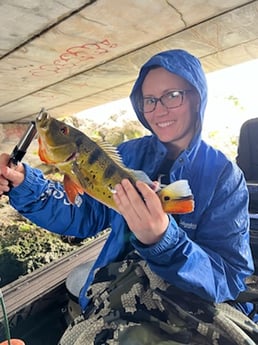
(73, 57)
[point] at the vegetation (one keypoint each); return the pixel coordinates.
(25, 247)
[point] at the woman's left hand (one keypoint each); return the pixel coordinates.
(143, 212)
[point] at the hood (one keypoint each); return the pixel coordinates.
(181, 63)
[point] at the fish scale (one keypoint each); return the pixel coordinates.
(102, 176)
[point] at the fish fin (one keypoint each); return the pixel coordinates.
(177, 197)
(142, 176)
(178, 189)
(112, 152)
(179, 206)
(42, 152)
(162, 185)
(71, 188)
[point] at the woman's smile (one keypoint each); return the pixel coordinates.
(165, 123)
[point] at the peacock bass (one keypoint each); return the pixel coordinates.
(95, 168)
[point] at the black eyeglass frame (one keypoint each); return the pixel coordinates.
(161, 100)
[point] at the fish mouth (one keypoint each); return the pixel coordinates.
(42, 118)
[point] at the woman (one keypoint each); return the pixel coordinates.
(205, 252)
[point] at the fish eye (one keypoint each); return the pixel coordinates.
(64, 130)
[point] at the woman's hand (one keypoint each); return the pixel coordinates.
(9, 176)
(143, 212)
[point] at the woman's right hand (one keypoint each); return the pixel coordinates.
(9, 176)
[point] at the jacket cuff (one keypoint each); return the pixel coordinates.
(168, 241)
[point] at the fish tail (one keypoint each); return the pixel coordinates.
(177, 197)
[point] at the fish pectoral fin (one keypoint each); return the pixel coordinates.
(142, 176)
(72, 189)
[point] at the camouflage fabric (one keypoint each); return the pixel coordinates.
(131, 305)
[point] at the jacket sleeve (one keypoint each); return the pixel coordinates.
(215, 261)
(44, 202)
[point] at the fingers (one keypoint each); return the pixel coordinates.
(127, 198)
(4, 159)
(4, 183)
(142, 211)
(150, 197)
(9, 176)
(140, 200)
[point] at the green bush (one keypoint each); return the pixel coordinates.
(24, 247)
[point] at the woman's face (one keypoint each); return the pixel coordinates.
(174, 127)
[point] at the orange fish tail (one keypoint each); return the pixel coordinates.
(179, 206)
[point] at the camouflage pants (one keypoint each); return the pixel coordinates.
(132, 305)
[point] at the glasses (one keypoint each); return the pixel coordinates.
(171, 99)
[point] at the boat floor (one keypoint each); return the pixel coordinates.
(45, 322)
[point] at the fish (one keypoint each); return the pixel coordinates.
(95, 168)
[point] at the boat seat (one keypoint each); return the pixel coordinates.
(247, 160)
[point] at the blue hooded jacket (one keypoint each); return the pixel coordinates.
(207, 251)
